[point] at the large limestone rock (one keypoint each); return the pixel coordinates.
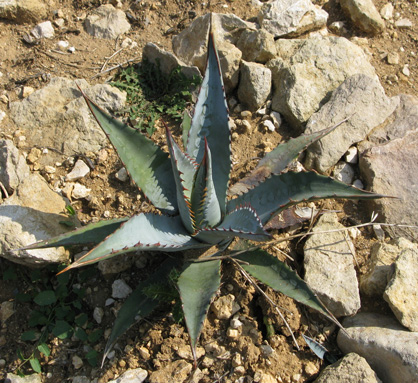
(257, 46)
(402, 291)
(255, 85)
(23, 11)
(329, 267)
(350, 369)
(364, 15)
(362, 100)
(57, 116)
(291, 17)
(106, 22)
(309, 71)
(390, 349)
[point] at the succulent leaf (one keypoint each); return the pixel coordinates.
(278, 192)
(210, 121)
(91, 233)
(198, 284)
(185, 127)
(138, 304)
(278, 159)
(276, 274)
(144, 232)
(204, 202)
(146, 163)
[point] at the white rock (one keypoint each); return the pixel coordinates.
(120, 289)
(358, 184)
(2, 115)
(344, 172)
(137, 375)
(109, 302)
(387, 11)
(77, 362)
(43, 30)
(269, 125)
(63, 45)
(224, 307)
(79, 171)
(351, 155)
(98, 314)
(6, 311)
(80, 191)
(364, 15)
(403, 23)
(122, 175)
(50, 169)
(276, 118)
(406, 71)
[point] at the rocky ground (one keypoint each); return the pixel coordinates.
(51, 148)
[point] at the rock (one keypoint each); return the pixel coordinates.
(388, 348)
(43, 30)
(120, 289)
(122, 175)
(257, 46)
(351, 156)
(33, 378)
(291, 18)
(269, 125)
(393, 58)
(80, 191)
(224, 307)
(387, 11)
(309, 70)
(173, 372)
(106, 22)
(32, 214)
(344, 172)
(137, 375)
(98, 314)
(79, 171)
(329, 268)
(57, 116)
(350, 369)
(13, 168)
(255, 85)
(117, 264)
(80, 379)
(23, 11)
(168, 61)
(77, 362)
(364, 15)
(229, 58)
(362, 100)
(6, 311)
(403, 24)
(381, 264)
(402, 290)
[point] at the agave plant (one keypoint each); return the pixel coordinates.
(190, 188)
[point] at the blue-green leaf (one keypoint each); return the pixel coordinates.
(210, 121)
(278, 192)
(198, 284)
(185, 126)
(146, 163)
(144, 232)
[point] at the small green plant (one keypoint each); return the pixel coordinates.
(151, 94)
(58, 312)
(190, 189)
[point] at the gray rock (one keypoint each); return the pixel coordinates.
(255, 85)
(80, 379)
(13, 168)
(33, 213)
(58, 117)
(364, 15)
(33, 378)
(329, 267)
(137, 375)
(362, 100)
(168, 61)
(257, 46)
(80, 191)
(402, 290)
(390, 349)
(344, 172)
(117, 264)
(79, 171)
(120, 289)
(6, 311)
(106, 22)
(43, 30)
(23, 11)
(190, 45)
(403, 24)
(389, 169)
(350, 369)
(309, 70)
(122, 175)
(381, 264)
(291, 18)
(387, 11)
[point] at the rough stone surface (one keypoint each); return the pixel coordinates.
(137, 375)
(389, 348)
(291, 17)
(362, 100)
(79, 171)
(230, 59)
(344, 172)
(382, 258)
(23, 11)
(329, 267)
(168, 61)
(117, 264)
(257, 46)
(32, 214)
(309, 70)
(33, 378)
(402, 290)
(58, 117)
(106, 22)
(175, 372)
(350, 369)
(255, 85)
(120, 289)
(224, 307)
(43, 30)
(364, 15)
(13, 168)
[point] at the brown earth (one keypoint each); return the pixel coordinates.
(32, 65)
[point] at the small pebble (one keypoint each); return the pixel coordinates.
(109, 301)
(379, 232)
(276, 118)
(393, 58)
(120, 289)
(232, 333)
(111, 354)
(403, 23)
(351, 156)
(269, 125)
(79, 171)
(80, 191)
(387, 11)
(63, 45)
(98, 314)
(27, 91)
(71, 49)
(246, 114)
(50, 169)
(77, 362)
(122, 175)
(2, 363)
(405, 70)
